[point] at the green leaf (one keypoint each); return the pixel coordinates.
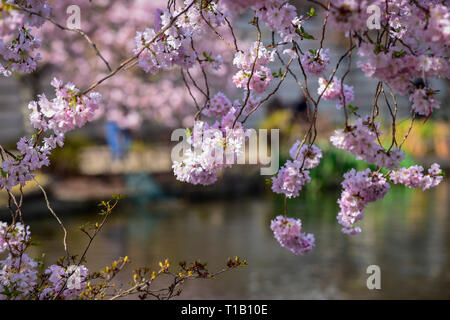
(352, 109)
(207, 57)
(16, 293)
(312, 13)
(102, 204)
(188, 132)
(398, 54)
(116, 196)
(308, 36)
(305, 34)
(6, 292)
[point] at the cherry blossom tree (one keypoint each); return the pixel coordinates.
(147, 47)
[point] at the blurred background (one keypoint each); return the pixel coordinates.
(127, 151)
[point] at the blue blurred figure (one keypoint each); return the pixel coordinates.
(119, 140)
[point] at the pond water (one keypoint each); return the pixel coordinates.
(405, 234)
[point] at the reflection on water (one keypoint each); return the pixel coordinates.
(406, 234)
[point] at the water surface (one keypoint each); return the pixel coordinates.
(405, 234)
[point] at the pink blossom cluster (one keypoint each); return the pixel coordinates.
(413, 177)
(423, 101)
(423, 32)
(211, 149)
(433, 66)
(17, 18)
(72, 278)
(68, 110)
(219, 106)
(173, 47)
(292, 176)
(18, 171)
(290, 179)
(360, 140)
(256, 54)
(281, 17)
(335, 90)
(278, 15)
(252, 103)
(315, 62)
(18, 277)
(397, 67)
(350, 15)
(200, 17)
(160, 54)
(17, 43)
(255, 59)
(421, 23)
(288, 232)
(18, 274)
(14, 238)
(126, 94)
(259, 82)
(359, 188)
(438, 28)
(19, 53)
(308, 155)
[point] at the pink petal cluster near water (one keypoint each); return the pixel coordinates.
(210, 150)
(360, 140)
(292, 176)
(363, 187)
(288, 232)
(359, 189)
(290, 179)
(413, 177)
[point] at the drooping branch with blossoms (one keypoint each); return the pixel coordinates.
(412, 42)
